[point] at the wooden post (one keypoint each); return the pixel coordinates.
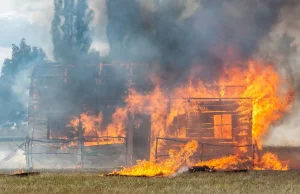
(168, 111)
(156, 148)
(253, 156)
(27, 153)
(126, 151)
(48, 128)
(130, 127)
(81, 143)
(253, 142)
(202, 150)
(30, 145)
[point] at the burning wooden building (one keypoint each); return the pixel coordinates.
(220, 129)
(108, 116)
(75, 114)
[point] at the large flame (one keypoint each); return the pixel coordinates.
(165, 167)
(270, 98)
(270, 94)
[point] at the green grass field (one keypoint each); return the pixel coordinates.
(87, 183)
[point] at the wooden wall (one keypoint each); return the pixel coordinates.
(201, 126)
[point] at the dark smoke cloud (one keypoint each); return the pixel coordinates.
(180, 37)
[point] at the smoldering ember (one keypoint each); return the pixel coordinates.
(181, 86)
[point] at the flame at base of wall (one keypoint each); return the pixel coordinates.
(163, 168)
(177, 160)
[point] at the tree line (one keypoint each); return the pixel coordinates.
(71, 38)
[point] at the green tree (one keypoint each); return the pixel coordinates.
(68, 29)
(55, 30)
(83, 18)
(23, 58)
(72, 37)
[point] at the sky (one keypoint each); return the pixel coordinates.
(31, 19)
(27, 19)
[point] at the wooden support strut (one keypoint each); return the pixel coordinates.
(202, 150)
(27, 152)
(156, 148)
(253, 144)
(81, 143)
(48, 127)
(129, 140)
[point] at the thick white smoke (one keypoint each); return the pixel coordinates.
(10, 158)
(286, 55)
(287, 134)
(21, 86)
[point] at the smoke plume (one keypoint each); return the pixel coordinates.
(184, 34)
(282, 46)
(181, 35)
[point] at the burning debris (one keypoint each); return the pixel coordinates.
(171, 166)
(164, 168)
(21, 173)
(231, 162)
(270, 161)
(201, 169)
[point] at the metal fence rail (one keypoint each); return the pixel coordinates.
(79, 151)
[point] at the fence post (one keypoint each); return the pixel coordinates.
(202, 148)
(129, 137)
(156, 148)
(48, 127)
(81, 143)
(253, 144)
(253, 156)
(27, 153)
(126, 151)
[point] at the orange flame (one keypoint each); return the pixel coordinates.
(270, 94)
(19, 171)
(271, 97)
(163, 168)
(229, 162)
(270, 161)
(92, 128)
